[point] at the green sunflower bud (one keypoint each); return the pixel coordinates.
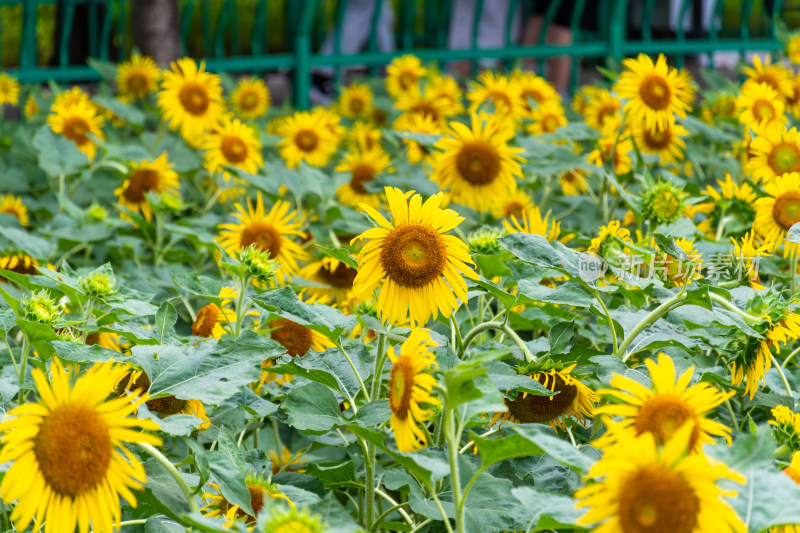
(97, 213)
(663, 203)
(99, 285)
(485, 241)
(39, 307)
(257, 263)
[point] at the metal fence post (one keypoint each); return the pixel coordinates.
(617, 22)
(302, 54)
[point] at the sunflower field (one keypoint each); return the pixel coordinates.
(435, 305)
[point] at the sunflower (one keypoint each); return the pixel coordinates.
(655, 92)
(70, 97)
(19, 262)
(676, 272)
(136, 380)
(250, 99)
(793, 471)
(445, 88)
(362, 136)
(786, 428)
(9, 90)
(356, 101)
(793, 49)
(779, 210)
(610, 237)
(663, 202)
(601, 106)
(755, 360)
(333, 279)
(191, 99)
(759, 106)
(286, 462)
(533, 88)
(532, 223)
(271, 232)
(297, 339)
(233, 144)
(746, 254)
(573, 399)
(546, 118)
(426, 104)
(731, 207)
(403, 74)
(664, 407)
(137, 78)
(573, 182)
(793, 101)
(409, 386)
(416, 123)
(31, 107)
(156, 177)
(514, 203)
(12, 205)
(775, 75)
(641, 487)
(504, 95)
(211, 319)
(415, 264)
(774, 152)
(105, 339)
(476, 163)
(364, 167)
(217, 506)
(615, 149)
(70, 463)
(664, 142)
(307, 137)
(76, 121)
(293, 521)
(722, 105)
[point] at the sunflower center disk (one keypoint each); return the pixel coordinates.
(665, 205)
(263, 235)
(140, 182)
(249, 101)
(407, 80)
(342, 276)
(73, 449)
(206, 319)
(137, 82)
(515, 208)
(360, 175)
(763, 110)
(306, 140)
(194, 98)
(663, 415)
(426, 110)
(295, 337)
(786, 210)
(75, 129)
(550, 124)
(401, 385)
(168, 405)
(655, 499)
(537, 409)
(357, 105)
(478, 162)
(413, 255)
(657, 140)
(234, 149)
(655, 92)
(785, 158)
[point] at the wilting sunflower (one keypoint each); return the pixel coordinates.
(212, 319)
(664, 142)
(502, 93)
(233, 144)
(546, 118)
(532, 223)
(76, 122)
(731, 207)
(573, 399)
(12, 205)
(364, 167)
(191, 99)
(759, 106)
(70, 463)
(356, 101)
(425, 103)
(640, 486)
(655, 92)
(250, 99)
(155, 177)
(296, 338)
(417, 124)
(676, 272)
(9, 90)
(105, 339)
(476, 164)
(307, 137)
(409, 386)
(573, 182)
(600, 107)
(775, 75)
(779, 210)
(755, 359)
(535, 89)
(515, 203)
(417, 267)
(286, 461)
(136, 380)
(333, 279)
(665, 406)
(137, 78)
(272, 232)
(774, 152)
(403, 74)
(259, 489)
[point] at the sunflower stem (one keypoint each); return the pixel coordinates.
(369, 483)
(380, 360)
(750, 319)
(458, 340)
(610, 321)
(731, 413)
(782, 374)
(474, 332)
(793, 266)
(237, 327)
(355, 370)
(396, 507)
(676, 301)
(166, 463)
(790, 357)
(452, 435)
(26, 349)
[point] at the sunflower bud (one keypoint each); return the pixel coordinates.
(485, 241)
(97, 213)
(663, 203)
(170, 203)
(98, 285)
(68, 335)
(39, 307)
(258, 264)
(369, 308)
(289, 519)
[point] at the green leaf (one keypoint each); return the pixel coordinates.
(312, 407)
(199, 285)
(166, 316)
(58, 155)
(668, 246)
(126, 112)
(166, 494)
(228, 466)
(35, 331)
(494, 450)
(567, 293)
(325, 319)
(75, 352)
(560, 335)
(793, 235)
(342, 254)
(335, 474)
(557, 448)
(330, 368)
(551, 511)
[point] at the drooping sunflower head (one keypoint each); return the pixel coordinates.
(355, 101)
(786, 428)
(664, 142)
(572, 399)
(775, 75)
(137, 78)
(774, 152)
(663, 203)
(409, 386)
(416, 266)
(19, 262)
(191, 99)
(259, 489)
(9, 89)
(676, 272)
(760, 105)
(777, 212)
(655, 91)
(12, 205)
(745, 256)
(296, 338)
(333, 279)
(664, 407)
(233, 144)
(364, 167)
(76, 122)
(138, 381)
(476, 163)
(155, 177)
(250, 99)
(503, 94)
(731, 205)
(403, 74)
(640, 486)
(307, 137)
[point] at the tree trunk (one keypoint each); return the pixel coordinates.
(156, 29)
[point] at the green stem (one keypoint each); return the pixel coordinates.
(441, 510)
(456, 333)
(380, 360)
(355, 370)
(793, 263)
(237, 327)
(395, 507)
(421, 525)
(369, 483)
(783, 376)
(501, 326)
(648, 321)
(452, 434)
(731, 413)
(750, 319)
(23, 367)
(790, 357)
(610, 321)
(166, 463)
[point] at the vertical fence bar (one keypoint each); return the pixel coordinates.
(680, 33)
(236, 42)
(408, 17)
(744, 26)
(28, 48)
(475, 34)
(221, 30)
(302, 54)
(121, 27)
(338, 22)
(259, 24)
(373, 33)
(713, 29)
(66, 29)
(93, 22)
(186, 25)
(105, 32)
(513, 6)
(208, 44)
(617, 28)
(647, 20)
(547, 19)
(575, 24)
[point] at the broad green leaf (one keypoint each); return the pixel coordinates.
(312, 407)
(166, 316)
(494, 450)
(228, 467)
(558, 448)
(342, 254)
(285, 303)
(58, 155)
(560, 335)
(75, 352)
(567, 293)
(198, 285)
(668, 246)
(546, 510)
(335, 474)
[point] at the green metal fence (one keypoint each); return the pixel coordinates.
(266, 35)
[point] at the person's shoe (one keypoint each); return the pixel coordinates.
(323, 89)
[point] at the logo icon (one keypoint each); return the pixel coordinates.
(591, 266)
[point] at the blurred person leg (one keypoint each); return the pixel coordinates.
(491, 31)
